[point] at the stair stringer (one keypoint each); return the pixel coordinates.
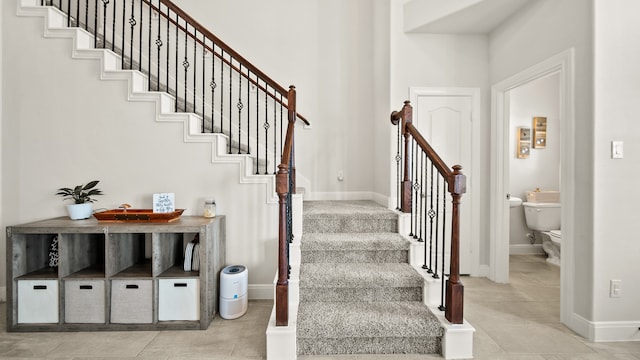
(55, 27)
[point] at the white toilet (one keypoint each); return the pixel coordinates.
(544, 219)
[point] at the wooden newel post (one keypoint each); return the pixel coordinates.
(455, 289)
(406, 189)
(282, 286)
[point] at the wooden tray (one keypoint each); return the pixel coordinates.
(137, 215)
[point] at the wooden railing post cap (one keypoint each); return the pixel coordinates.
(292, 87)
(456, 169)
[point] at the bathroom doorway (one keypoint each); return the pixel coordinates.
(534, 158)
(563, 65)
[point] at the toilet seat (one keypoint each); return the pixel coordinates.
(556, 236)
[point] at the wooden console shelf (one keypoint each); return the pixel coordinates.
(113, 276)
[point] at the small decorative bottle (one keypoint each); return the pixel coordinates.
(209, 208)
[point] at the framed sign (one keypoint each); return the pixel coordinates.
(164, 203)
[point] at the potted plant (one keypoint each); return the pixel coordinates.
(82, 196)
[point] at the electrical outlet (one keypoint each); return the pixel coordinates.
(615, 288)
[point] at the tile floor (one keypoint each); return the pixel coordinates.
(517, 321)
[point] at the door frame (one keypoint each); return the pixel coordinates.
(563, 64)
(474, 197)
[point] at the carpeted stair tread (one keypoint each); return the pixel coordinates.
(351, 209)
(353, 241)
(359, 275)
(347, 217)
(366, 320)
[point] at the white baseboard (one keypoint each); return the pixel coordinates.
(483, 271)
(606, 331)
(260, 291)
(3, 293)
(525, 249)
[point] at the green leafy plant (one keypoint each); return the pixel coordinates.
(82, 193)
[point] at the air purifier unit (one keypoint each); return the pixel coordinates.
(233, 291)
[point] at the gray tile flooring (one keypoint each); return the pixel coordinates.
(516, 321)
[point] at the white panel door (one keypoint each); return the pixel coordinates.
(445, 121)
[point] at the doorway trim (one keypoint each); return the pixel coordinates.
(474, 94)
(563, 64)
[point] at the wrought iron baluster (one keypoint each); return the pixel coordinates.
(222, 91)
(185, 64)
(248, 111)
(148, 45)
(195, 72)
(432, 214)
(213, 81)
(167, 51)
(176, 63)
(124, 16)
(266, 126)
(257, 125)
(78, 12)
(275, 138)
(159, 45)
(113, 27)
(140, 40)
(68, 13)
(240, 106)
(95, 24)
(422, 197)
(435, 267)
(204, 64)
(104, 23)
(444, 247)
(412, 177)
(86, 15)
(230, 99)
(132, 22)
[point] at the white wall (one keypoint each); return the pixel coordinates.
(542, 168)
(63, 126)
(436, 60)
(538, 32)
(326, 48)
(616, 229)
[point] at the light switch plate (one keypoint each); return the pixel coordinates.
(617, 149)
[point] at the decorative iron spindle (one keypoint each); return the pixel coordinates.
(240, 106)
(195, 67)
(159, 46)
(444, 232)
(140, 39)
(222, 91)
(257, 128)
(266, 126)
(230, 99)
(113, 27)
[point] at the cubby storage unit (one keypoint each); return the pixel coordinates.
(113, 276)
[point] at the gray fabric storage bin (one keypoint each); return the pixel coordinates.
(84, 301)
(37, 301)
(178, 299)
(132, 301)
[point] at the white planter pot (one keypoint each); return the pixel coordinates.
(80, 211)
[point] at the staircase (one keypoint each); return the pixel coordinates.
(358, 293)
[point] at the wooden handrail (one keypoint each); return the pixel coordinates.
(225, 48)
(456, 183)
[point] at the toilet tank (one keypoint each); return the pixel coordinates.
(542, 216)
